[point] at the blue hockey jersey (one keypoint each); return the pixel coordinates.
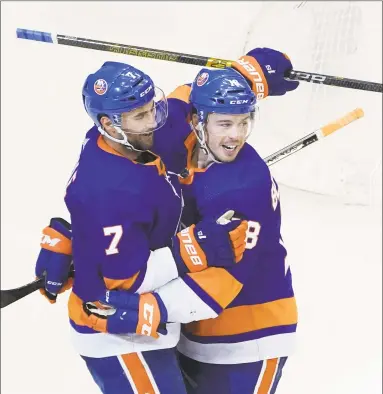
(123, 215)
(253, 312)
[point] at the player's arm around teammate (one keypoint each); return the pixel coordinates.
(146, 135)
(125, 211)
(224, 171)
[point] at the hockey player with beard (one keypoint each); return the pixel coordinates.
(222, 109)
(125, 210)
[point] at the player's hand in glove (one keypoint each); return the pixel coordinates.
(210, 243)
(121, 312)
(55, 258)
(265, 70)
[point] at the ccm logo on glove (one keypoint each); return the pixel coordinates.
(46, 239)
(148, 316)
(55, 241)
(49, 282)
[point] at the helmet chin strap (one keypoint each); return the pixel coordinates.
(200, 134)
(124, 140)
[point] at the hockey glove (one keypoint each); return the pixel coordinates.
(209, 244)
(121, 312)
(265, 69)
(55, 259)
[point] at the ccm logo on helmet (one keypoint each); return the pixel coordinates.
(257, 78)
(239, 101)
(146, 91)
(189, 247)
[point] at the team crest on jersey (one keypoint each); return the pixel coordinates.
(202, 79)
(100, 87)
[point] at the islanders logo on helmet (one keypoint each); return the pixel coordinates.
(100, 87)
(202, 79)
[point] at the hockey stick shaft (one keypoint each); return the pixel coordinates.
(8, 297)
(185, 58)
(314, 136)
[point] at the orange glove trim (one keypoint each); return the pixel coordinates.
(149, 316)
(191, 253)
(56, 242)
(251, 70)
(238, 240)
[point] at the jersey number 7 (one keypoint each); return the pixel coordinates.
(116, 231)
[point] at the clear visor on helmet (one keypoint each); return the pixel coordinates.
(234, 126)
(144, 119)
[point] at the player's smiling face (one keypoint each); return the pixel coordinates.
(226, 134)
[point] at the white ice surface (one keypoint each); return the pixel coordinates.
(334, 248)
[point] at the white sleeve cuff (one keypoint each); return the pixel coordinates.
(161, 269)
(182, 304)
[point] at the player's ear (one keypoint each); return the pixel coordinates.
(105, 121)
(195, 120)
(106, 124)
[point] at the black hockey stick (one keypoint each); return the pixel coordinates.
(185, 58)
(10, 296)
(314, 136)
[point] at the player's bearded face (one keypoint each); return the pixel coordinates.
(226, 134)
(139, 125)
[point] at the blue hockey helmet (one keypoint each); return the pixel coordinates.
(223, 91)
(117, 88)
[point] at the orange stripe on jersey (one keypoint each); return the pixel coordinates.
(268, 376)
(138, 373)
(192, 254)
(181, 93)
(190, 143)
(55, 241)
(101, 143)
(221, 286)
(105, 147)
(247, 318)
(121, 284)
(158, 163)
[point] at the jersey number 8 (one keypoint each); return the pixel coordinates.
(252, 233)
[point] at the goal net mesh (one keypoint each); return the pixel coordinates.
(334, 38)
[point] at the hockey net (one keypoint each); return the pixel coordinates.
(334, 38)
